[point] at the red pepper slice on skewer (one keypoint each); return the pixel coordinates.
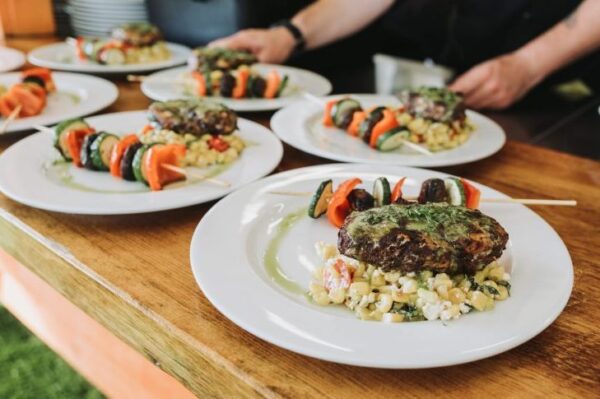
(339, 207)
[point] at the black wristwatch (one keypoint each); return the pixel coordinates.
(300, 42)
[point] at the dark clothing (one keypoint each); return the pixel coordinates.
(463, 33)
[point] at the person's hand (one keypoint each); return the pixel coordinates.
(269, 45)
(497, 83)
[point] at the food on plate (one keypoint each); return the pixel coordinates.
(229, 73)
(433, 117)
(431, 236)
(131, 43)
(339, 203)
(400, 259)
(31, 93)
(394, 296)
(219, 58)
(137, 34)
(155, 155)
(195, 117)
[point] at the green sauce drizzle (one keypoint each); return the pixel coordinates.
(271, 260)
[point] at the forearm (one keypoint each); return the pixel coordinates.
(570, 39)
(322, 22)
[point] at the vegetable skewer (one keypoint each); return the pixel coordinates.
(198, 176)
(13, 115)
(354, 124)
(29, 95)
(525, 201)
(79, 138)
(237, 84)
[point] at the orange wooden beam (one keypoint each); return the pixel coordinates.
(107, 362)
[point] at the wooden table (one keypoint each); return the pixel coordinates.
(132, 274)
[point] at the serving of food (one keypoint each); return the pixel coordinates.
(228, 73)
(401, 259)
(433, 117)
(433, 260)
(39, 96)
(131, 43)
(191, 151)
(423, 127)
(181, 133)
(131, 47)
(236, 78)
(29, 95)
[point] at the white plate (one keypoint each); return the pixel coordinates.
(237, 284)
(76, 95)
(38, 183)
(10, 59)
(62, 56)
(300, 126)
(156, 88)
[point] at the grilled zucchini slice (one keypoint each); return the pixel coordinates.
(382, 192)
(320, 199)
(101, 149)
(393, 139)
(138, 160)
(456, 191)
(60, 135)
(85, 155)
(282, 86)
(342, 112)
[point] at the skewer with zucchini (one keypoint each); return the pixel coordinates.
(30, 93)
(379, 127)
(124, 157)
(238, 83)
(339, 203)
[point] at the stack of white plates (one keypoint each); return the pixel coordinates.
(98, 17)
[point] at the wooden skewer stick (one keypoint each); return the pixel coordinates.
(44, 129)
(413, 146)
(525, 201)
(141, 78)
(198, 176)
(13, 115)
(529, 201)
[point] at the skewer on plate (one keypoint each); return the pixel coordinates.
(524, 201)
(141, 78)
(195, 175)
(173, 168)
(416, 147)
(13, 115)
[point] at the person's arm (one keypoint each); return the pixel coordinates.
(322, 22)
(499, 82)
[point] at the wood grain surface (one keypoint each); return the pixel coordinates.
(132, 274)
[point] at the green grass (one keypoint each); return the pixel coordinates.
(29, 369)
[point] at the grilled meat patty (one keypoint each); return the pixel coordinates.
(137, 33)
(433, 236)
(436, 104)
(196, 117)
(217, 58)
